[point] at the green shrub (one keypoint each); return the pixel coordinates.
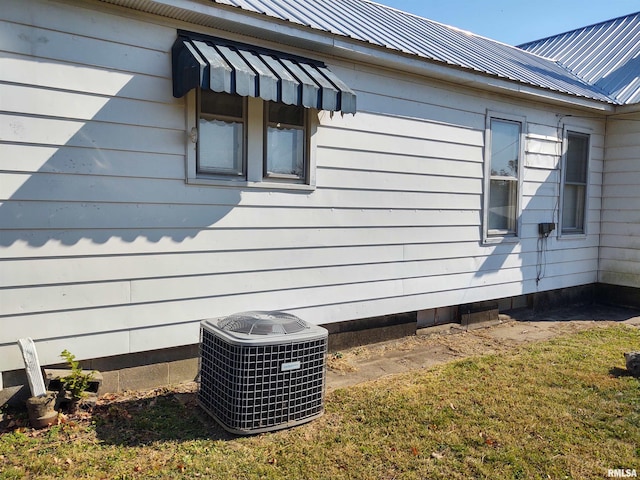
(77, 382)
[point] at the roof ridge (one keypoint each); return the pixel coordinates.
(611, 20)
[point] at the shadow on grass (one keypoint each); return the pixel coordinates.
(620, 372)
(162, 418)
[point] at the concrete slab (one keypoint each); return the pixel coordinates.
(183, 370)
(145, 377)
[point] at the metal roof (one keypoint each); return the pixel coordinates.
(376, 24)
(606, 55)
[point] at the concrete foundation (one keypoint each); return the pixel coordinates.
(581, 295)
(147, 370)
(618, 296)
(479, 314)
(136, 371)
(370, 330)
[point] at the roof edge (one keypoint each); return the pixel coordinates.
(238, 21)
(628, 108)
(391, 59)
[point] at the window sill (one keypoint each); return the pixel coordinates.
(496, 240)
(572, 236)
(265, 185)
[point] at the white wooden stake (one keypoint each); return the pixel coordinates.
(32, 364)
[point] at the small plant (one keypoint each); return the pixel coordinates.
(77, 382)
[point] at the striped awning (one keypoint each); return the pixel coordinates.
(223, 66)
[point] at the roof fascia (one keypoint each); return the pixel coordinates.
(627, 109)
(243, 22)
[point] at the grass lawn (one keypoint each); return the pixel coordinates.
(564, 408)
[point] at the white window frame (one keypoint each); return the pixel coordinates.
(574, 234)
(254, 151)
(279, 177)
(243, 120)
(501, 236)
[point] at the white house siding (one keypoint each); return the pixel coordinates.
(620, 239)
(107, 251)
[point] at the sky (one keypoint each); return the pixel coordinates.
(517, 21)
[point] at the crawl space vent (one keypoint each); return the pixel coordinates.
(262, 371)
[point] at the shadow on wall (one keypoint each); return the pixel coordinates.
(98, 166)
(524, 261)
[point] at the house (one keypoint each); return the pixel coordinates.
(167, 161)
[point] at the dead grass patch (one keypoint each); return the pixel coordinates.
(558, 409)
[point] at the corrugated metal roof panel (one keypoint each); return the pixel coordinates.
(606, 55)
(393, 29)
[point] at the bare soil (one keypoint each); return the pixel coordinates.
(436, 345)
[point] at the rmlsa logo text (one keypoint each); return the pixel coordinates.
(622, 473)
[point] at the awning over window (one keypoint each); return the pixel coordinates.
(229, 67)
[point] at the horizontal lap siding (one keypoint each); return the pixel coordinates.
(108, 251)
(86, 119)
(620, 251)
(177, 285)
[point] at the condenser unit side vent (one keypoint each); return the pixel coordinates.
(254, 382)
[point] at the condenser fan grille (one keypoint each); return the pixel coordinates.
(262, 323)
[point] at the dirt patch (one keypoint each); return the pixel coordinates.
(367, 363)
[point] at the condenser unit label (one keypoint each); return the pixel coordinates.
(286, 367)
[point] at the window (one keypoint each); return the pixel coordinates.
(286, 141)
(221, 128)
(574, 183)
(503, 162)
(252, 111)
(246, 141)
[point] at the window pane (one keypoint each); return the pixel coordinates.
(502, 205)
(573, 208)
(287, 114)
(577, 155)
(575, 183)
(286, 136)
(222, 104)
(505, 147)
(285, 151)
(220, 146)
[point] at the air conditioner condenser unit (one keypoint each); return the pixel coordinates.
(262, 371)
